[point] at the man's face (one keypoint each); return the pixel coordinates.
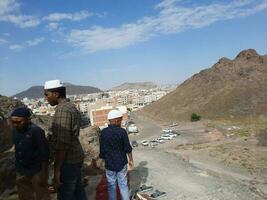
(116, 121)
(51, 97)
(19, 123)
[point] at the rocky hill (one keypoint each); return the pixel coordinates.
(38, 91)
(230, 88)
(138, 85)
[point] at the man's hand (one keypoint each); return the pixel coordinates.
(130, 165)
(57, 182)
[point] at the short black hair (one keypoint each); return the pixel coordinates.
(61, 91)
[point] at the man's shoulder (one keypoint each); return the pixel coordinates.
(104, 130)
(113, 129)
(66, 107)
(36, 131)
(35, 128)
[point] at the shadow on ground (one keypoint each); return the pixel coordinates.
(138, 176)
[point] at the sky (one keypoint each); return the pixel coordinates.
(104, 43)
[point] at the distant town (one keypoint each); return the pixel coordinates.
(95, 106)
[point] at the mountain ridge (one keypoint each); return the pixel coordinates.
(134, 85)
(230, 88)
(37, 91)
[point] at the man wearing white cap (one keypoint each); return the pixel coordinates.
(115, 148)
(65, 146)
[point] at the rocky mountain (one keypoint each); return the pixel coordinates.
(38, 91)
(230, 88)
(138, 85)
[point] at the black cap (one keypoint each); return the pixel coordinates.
(21, 112)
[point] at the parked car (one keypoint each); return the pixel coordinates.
(173, 134)
(167, 130)
(166, 134)
(159, 140)
(173, 124)
(145, 143)
(132, 128)
(166, 137)
(153, 144)
(134, 143)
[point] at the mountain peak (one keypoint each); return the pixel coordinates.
(247, 54)
(229, 88)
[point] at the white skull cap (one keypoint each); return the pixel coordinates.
(113, 114)
(53, 84)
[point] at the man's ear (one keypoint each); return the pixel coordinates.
(56, 94)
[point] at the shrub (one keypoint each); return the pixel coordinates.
(195, 117)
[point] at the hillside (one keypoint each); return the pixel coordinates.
(138, 85)
(230, 88)
(37, 91)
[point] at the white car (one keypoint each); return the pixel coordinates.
(173, 134)
(159, 140)
(167, 130)
(153, 144)
(165, 134)
(132, 128)
(145, 143)
(166, 137)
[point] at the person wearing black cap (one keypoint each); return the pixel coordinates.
(67, 152)
(31, 156)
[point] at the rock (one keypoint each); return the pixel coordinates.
(89, 138)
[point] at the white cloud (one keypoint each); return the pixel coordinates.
(52, 26)
(15, 47)
(35, 41)
(172, 18)
(98, 38)
(68, 16)
(3, 41)
(22, 21)
(7, 6)
(29, 43)
(9, 12)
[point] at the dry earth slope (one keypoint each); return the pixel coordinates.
(230, 88)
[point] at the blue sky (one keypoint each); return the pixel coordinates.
(105, 43)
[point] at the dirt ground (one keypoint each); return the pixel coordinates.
(201, 163)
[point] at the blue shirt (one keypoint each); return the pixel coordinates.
(114, 147)
(31, 149)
